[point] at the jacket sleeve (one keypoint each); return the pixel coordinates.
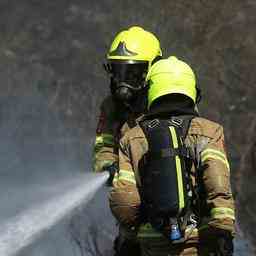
(216, 179)
(124, 197)
(105, 151)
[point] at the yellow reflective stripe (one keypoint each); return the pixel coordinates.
(100, 164)
(215, 154)
(115, 177)
(99, 139)
(174, 137)
(191, 231)
(178, 169)
(222, 213)
(217, 158)
(180, 183)
(105, 138)
(125, 175)
(147, 231)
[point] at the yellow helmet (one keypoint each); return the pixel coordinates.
(135, 44)
(129, 58)
(169, 76)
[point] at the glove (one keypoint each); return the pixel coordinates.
(225, 244)
(111, 169)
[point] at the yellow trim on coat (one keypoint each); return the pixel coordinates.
(222, 213)
(178, 169)
(124, 175)
(214, 154)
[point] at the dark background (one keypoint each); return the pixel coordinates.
(52, 83)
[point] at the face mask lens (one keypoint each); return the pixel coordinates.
(131, 73)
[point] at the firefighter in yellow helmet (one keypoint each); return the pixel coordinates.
(128, 60)
(131, 54)
(173, 184)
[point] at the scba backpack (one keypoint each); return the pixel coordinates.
(166, 186)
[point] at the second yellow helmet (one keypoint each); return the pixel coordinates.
(168, 76)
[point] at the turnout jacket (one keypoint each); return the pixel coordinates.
(113, 121)
(206, 140)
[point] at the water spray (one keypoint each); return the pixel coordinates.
(23, 229)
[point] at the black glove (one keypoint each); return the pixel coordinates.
(225, 244)
(111, 169)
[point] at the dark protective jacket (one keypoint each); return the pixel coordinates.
(206, 139)
(114, 120)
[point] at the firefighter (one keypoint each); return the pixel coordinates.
(131, 54)
(173, 184)
(128, 60)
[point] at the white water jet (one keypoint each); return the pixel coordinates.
(23, 229)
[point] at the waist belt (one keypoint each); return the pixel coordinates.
(147, 231)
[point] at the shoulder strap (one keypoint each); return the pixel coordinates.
(182, 123)
(178, 121)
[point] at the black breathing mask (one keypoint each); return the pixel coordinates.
(127, 79)
(124, 92)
